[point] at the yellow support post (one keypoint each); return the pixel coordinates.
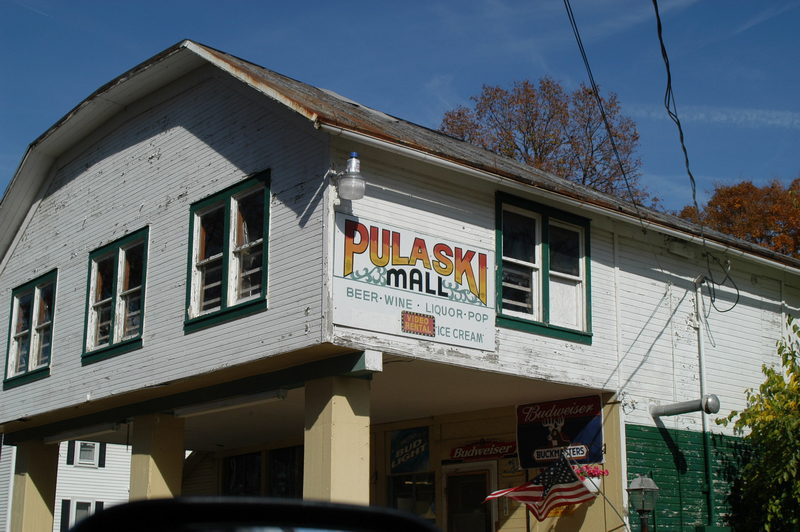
(337, 424)
(157, 457)
(34, 494)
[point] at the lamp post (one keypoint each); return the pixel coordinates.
(642, 495)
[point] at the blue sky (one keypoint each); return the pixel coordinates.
(735, 65)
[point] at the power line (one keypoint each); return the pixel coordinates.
(672, 111)
(599, 100)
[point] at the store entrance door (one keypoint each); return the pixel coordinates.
(466, 486)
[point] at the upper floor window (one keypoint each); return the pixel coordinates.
(228, 255)
(543, 269)
(115, 302)
(86, 453)
(31, 332)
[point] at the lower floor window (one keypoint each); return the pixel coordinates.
(241, 474)
(415, 493)
(74, 511)
(286, 472)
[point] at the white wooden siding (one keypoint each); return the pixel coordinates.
(108, 484)
(201, 478)
(6, 484)
(206, 132)
(644, 345)
(146, 168)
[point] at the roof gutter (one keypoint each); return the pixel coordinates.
(494, 178)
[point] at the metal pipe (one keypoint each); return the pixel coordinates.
(701, 360)
(708, 403)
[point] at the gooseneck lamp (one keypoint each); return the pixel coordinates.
(350, 184)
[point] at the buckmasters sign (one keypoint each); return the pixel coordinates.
(396, 281)
(546, 431)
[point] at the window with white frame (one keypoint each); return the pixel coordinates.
(228, 255)
(74, 511)
(543, 269)
(521, 288)
(116, 291)
(86, 453)
(31, 332)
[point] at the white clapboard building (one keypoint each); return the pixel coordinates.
(91, 476)
(186, 265)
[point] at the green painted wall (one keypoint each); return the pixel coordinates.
(674, 459)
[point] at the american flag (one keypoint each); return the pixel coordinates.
(527, 493)
(558, 485)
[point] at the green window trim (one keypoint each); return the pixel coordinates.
(119, 300)
(24, 378)
(103, 353)
(542, 326)
(37, 329)
(232, 276)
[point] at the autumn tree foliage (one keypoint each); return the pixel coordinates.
(557, 131)
(768, 215)
(768, 492)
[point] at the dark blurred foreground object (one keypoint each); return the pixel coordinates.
(218, 514)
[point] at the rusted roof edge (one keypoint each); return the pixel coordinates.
(655, 219)
(221, 60)
(226, 62)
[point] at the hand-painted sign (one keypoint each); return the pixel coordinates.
(484, 450)
(547, 430)
(407, 283)
(418, 323)
(410, 451)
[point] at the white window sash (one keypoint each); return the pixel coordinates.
(539, 271)
(93, 462)
(32, 335)
(230, 287)
(118, 315)
(578, 304)
(73, 519)
(534, 268)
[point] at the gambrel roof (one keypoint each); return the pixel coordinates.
(326, 110)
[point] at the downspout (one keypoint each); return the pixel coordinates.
(699, 324)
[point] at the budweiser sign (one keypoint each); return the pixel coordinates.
(571, 408)
(484, 450)
(546, 431)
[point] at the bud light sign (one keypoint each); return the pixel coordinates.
(573, 427)
(410, 451)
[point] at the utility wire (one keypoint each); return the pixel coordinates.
(596, 93)
(672, 111)
(609, 132)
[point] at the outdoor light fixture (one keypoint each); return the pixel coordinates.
(83, 433)
(350, 184)
(642, 496)
(229, 403)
